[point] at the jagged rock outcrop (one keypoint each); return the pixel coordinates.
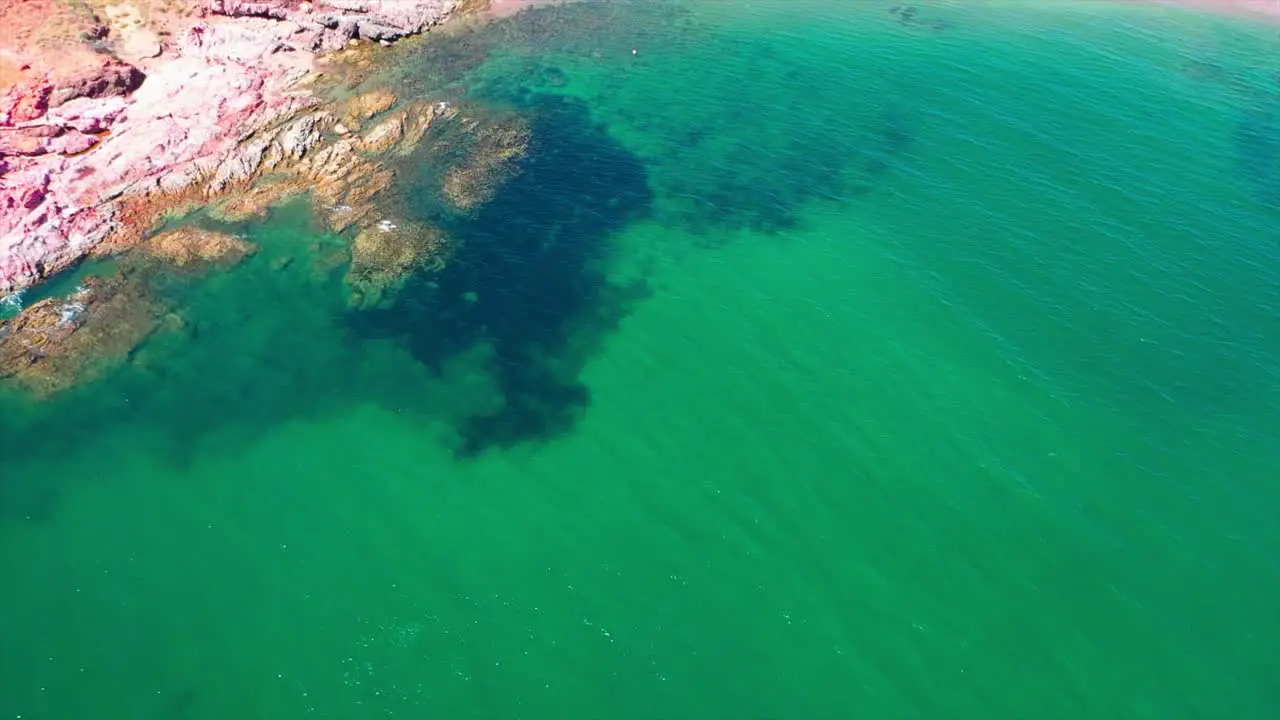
(343, 171)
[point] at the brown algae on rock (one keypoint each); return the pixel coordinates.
(59, 342)
(383, 257)
(491, 162)
(191, 246)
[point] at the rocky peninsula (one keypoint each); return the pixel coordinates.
(105, 106)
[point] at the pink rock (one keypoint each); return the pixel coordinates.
(25, 101)
(31, 197)
(71, 143)
(41, 130)
(88, 115)
(26, 141)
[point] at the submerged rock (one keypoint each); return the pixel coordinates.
(490, 163)
(59, 342)
(255, 201)
(190, 246)
(382, 137)
(385, 255)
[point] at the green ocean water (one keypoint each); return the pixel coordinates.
(823, 362)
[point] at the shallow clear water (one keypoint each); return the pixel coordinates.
(820, 363)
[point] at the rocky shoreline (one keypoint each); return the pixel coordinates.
(107, 112)
(229, 120)
(110, 107)
(114, 117)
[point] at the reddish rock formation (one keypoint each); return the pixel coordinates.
(97, 118)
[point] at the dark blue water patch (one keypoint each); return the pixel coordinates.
(763, 178)
(769, 129)
(530, 279)
(239, 353)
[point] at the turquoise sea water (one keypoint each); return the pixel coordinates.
(824, 362)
